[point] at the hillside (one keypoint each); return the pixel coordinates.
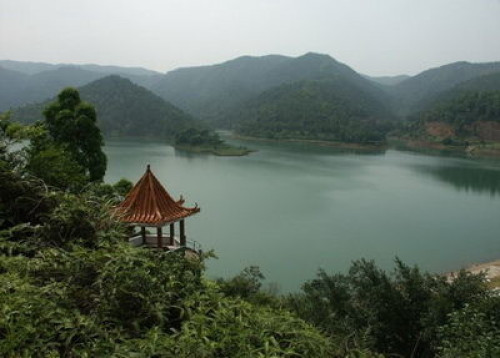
(409, 95)
(464, 121)
(123, 109)
(473, 114)
(26, 82)
(332, 110)
(214, 92)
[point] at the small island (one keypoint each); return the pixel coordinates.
(204, 141)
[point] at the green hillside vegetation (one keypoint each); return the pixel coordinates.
(464, 114)
(465, 109)
(461, 121)
(124, 109)
(329, 110)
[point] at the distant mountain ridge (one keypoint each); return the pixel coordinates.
(410, 93)
(233, 94)
(32, 68)
(123, 109)
(485, 83)
(25, 82)
(214, 92)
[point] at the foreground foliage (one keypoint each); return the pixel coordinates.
(71, 286)
(409, 313)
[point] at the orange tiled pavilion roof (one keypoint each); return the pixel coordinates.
(149, 203)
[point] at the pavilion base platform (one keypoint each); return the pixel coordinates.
(151, 241)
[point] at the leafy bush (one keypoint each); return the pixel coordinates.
(392, 314)
(473, 331)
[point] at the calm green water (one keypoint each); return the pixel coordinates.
(293, 208)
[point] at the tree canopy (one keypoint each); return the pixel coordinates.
(71, 123)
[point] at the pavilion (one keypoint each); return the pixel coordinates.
(148, 204)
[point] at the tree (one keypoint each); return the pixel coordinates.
(72, 124)
(123, 186)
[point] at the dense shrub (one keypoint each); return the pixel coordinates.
(393, 314)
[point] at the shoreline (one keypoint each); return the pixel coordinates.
(322, 143)
(488, 150)
(490, 268)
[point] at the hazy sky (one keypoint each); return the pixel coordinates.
(376, 37)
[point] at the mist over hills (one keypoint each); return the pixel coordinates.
(388, 80)
(250, 92)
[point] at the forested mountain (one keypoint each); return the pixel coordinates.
(214, 92)
(490, 82)
(209, 91)
(123, 108)
(243, 90)
(410, 95)
(27, 82)
(332, 109)
(11, 84)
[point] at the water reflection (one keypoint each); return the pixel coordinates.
(467, 178)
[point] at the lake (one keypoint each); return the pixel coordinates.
(293, 208)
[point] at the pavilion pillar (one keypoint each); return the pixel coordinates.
(172, 234)
(159, 237)
(182, 234)
(143, 234)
